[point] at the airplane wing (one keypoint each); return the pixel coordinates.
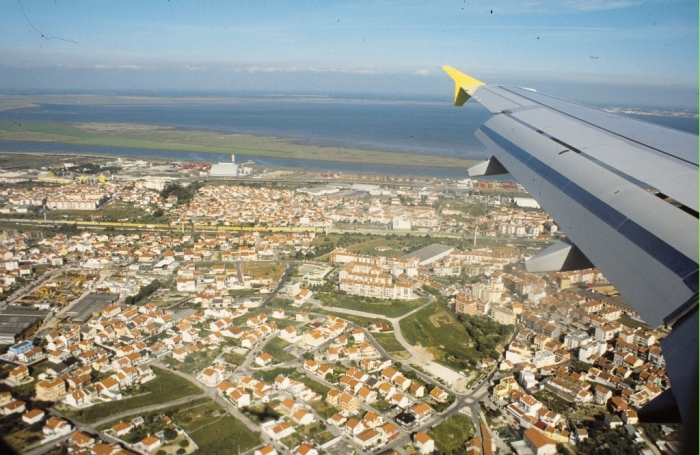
(623, 191)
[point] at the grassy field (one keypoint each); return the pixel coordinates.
(437, 328)
(215, 431)
(34, 160)
(165, 387)
(391, 345)
(388, 308)
(276, 349)
(19, 439)
(233, 357)
(168, 138)
(259, 269)
(194, 363)
(242, 292)
(452, 433)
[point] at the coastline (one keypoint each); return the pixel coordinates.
(177, 139)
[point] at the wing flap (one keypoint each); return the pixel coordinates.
(645, 246)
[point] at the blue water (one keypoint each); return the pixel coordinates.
(413, 127)
(422, 127)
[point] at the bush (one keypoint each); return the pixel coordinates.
(32, 439)
(184, 443)
(180, 451)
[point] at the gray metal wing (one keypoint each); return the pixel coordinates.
(625, 192)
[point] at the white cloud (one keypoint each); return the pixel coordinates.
(422, 72)
(294, 69)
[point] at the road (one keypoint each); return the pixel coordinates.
(394, 321)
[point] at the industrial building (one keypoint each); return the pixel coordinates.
(229, 170)
(89, 305)
(224, 170)
(20, 324)
(430, 254)
(319, 191)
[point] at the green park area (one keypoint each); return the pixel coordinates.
(165, 387)
(451, 434)
(157, 137)
(454, 342)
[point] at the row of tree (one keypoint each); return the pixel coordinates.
(143, 293)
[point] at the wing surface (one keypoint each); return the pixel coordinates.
(625, 193)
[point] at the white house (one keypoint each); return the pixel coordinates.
(424, 443)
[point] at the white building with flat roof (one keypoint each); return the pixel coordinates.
(224, 170)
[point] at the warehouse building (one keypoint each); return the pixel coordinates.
(20, 324)
(90, 305)
(430, 254)
(224, 170)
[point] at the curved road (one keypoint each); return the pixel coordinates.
(394, 322)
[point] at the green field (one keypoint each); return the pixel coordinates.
(391, 345)
(165, 387)
(451, 434)
(437, 328)
(388, 308)
(216, 434)
(233, 357)
(276, 349)
(456, 341)
(259, 269)
(169, 138)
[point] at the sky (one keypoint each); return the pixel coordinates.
(615, 52)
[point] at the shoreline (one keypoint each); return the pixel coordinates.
(184, 140)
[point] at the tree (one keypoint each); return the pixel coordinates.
(143, 293)
(185, 443)
(170, 434)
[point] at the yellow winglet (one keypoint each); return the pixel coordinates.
(464, 85)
